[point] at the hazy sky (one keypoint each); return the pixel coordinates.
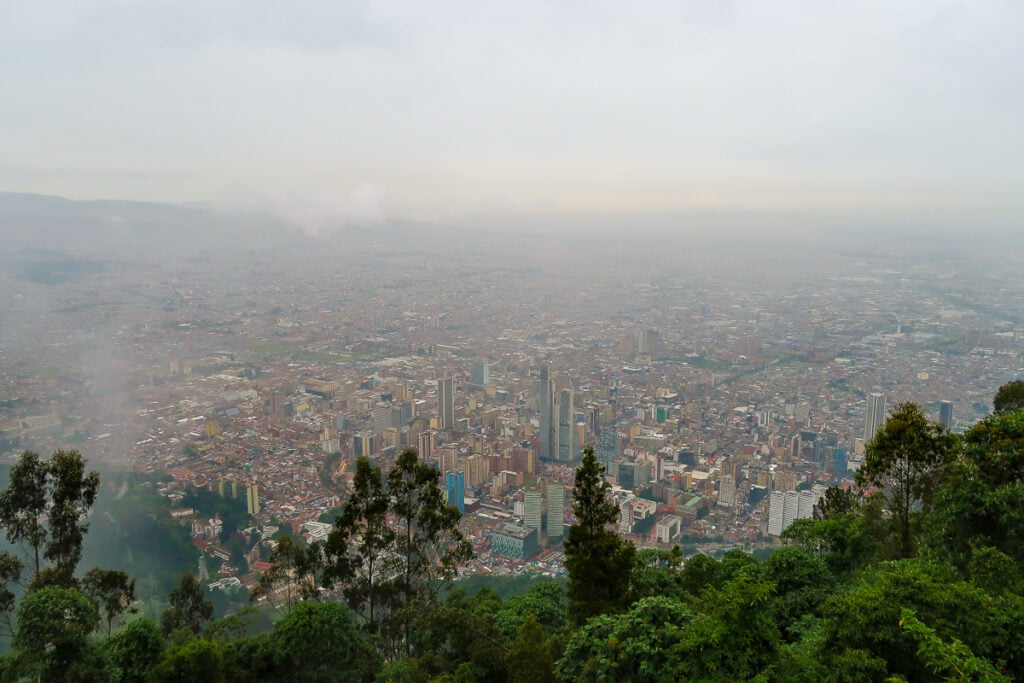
(441, 110)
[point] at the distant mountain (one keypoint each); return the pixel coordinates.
(31, 221)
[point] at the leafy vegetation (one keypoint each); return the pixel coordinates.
(916, 575)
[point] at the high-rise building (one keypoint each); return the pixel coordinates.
(790, 508)
(556, 510)
(727, 491)
(874, 416)
(252, 499)
(547, 440)
(364, 444)
(532, 509)
(946, 413)
(775, 505)
(455, 485)
(608, 445)
(805, 506)
(425, 444)
(446, 404)
(481, 373)
(566, 427)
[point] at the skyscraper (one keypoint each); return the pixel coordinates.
(946, 413)
(874, 416)
(252, 499)
(532, 509)
(556, 510)
(446, 404)
(425, 443)
(455, 484)
(547, 441)
(481, 373)
(775, 506)
(566, 427)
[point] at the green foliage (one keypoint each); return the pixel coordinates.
(360, 551)
(113, 592)
(45, 506)
(317, 641)
(904, 460)
(529, 660)
(458, 637)
(134, 650)
(867, 617)
(1009, 398)
(643, 644)
(52, 636)
(952, 660)
(189, 609)
(193, 660)
(547, 602)
(598, 559)
(657, 572)
(387, 568)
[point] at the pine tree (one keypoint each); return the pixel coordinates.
(598, 559)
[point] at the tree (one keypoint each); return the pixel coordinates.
(112, 590)
(598, 559)
(72, 494)
(317, 641)
(904, 460)
(45, 506)
(135, 650)
(193, 660)
(292, 572)
(360, 551)
(23, 505)
(189, 609)
(51, 641)
(837, 501)
(642, 644)
(10, 572)
(428, 542)
(529, 660)
(1009, 398)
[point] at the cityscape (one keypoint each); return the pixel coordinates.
(723, 390)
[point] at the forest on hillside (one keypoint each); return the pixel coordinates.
(915, 574)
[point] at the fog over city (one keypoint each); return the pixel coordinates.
(251, 251)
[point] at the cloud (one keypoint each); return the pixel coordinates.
(322, 213)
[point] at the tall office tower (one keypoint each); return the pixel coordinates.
(252, 499)
(608, 446)
(727, 491)
(481, 373)
(425, 444)
(946, 413)
(566, 427)
(593, 419)
(532, 509)
(805, 506)
(446, 404)
(547, 439)
(455, 485)
(556, 510)
(790, 508)
(447, 458)
(775, 507)
(874, 416)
